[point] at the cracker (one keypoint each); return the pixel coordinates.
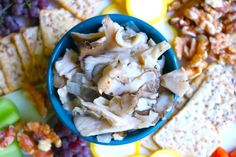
(30, 36)
(148, 143)
(33, 40)
(195, 130)
(24, 54)
(194, 85)
(82, 9)
(54, 24)
(10, 64)
(3, 86)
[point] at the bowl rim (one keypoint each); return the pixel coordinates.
(53, 95)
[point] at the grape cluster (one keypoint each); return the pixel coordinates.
(72, 145)
(11, 9)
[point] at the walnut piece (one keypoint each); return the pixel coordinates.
(204, 20)
(37, 139)
(184, 47)
(201, 51)
(7, 136)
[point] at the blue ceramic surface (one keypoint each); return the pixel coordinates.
(89, 26)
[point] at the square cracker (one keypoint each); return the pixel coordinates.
(82, 9)
(54, 24)
(195, 130)
(10, 64)
(33, 41)
(24, 54)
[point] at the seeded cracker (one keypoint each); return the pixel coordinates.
(10, 64)
(3, 86)
(54, 24)
(194, 131)
(82, 9)
(32, 38)
(23, 53)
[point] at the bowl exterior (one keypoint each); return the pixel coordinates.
(89, 26)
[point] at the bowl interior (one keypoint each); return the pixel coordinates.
(89, 26)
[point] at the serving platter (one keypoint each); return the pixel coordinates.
(29, 113)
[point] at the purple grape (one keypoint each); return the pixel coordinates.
(6, 2)
(4, 31)
(25, 12)
(72, 138)
(17, 9)
(75, 147)
(64, 132)
(66, 153)
(18, 1)
(65, 144)
(34, 3)
(11, 23)
(34, 21)
(43, 4)
(34, 11)
(7, 32)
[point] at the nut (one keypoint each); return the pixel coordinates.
(201, 51)
(184, 47)
(7, 136)
(37, 138)
(204, 20)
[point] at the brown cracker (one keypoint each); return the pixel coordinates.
(82, 9)
(194, 131)
(10, 64)
(24, 54)
(33, 40)
(3, 85)
(54, 24)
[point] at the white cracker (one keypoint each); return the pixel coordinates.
(194, 131)
(54, 24)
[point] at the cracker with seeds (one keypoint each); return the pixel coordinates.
(81, 9)
(3, 86)
(33, 40)
(54, 24)
(195, 130)
(10, 64)
(24, 54)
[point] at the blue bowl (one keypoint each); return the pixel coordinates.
(89, 26)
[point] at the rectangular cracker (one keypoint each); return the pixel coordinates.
(194, 85)
(3, 86)
(194, 131)
(82, 9)
(24, 54)
(32, 38)
(54, 24)
(10, 64)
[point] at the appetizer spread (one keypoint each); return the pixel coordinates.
(112, 82)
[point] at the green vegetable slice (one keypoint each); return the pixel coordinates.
(8, 113)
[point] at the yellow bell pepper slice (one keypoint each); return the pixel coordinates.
(166, 153)
(120, 3)
(169, 1)
(113, 8)
(151, 11)
(122, 150)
